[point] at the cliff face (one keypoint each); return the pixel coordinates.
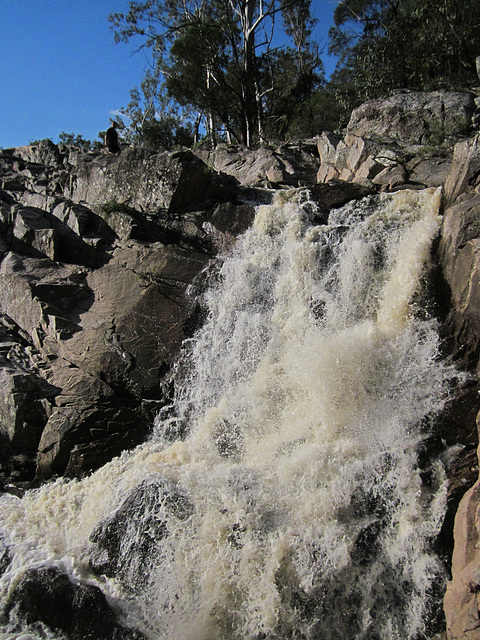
(102, 260)
(97, 256)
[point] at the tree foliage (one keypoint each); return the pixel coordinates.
(217, 60)
(78, 140)
(250, 72)
(151, 120)
(385, 45)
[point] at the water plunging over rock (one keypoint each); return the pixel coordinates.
(305, 321)
(292, 502)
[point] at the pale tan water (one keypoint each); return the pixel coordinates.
(303, 398)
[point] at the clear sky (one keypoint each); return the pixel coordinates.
(60, 69)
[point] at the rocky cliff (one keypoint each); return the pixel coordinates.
(102, 260)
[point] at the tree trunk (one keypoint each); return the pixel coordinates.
(210, 120)
(249, 71)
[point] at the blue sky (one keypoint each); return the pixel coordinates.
(61, 70)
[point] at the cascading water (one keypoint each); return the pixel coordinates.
(283, 498)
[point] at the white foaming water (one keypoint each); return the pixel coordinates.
(303, 400)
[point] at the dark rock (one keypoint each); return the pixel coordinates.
(336, 193)
(459, 257)
(24, 409)
(45, 152)
(127, 544)
(147, 181)
(83, 437)
(81, 611)
(431, 171)
(5, 557)
(228, 221)
(366, 546)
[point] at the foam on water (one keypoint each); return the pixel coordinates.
(301, 404)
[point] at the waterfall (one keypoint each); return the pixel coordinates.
(282, 496)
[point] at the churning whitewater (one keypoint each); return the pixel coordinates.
(281, 496)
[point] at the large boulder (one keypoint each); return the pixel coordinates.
(294, 164)
(127, 543)
(79, 611)
(353, 158)
(403, 141)
(385, 166)
(149, 182)
(414, 117)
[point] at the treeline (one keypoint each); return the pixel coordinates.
(250, 71)
(388, 45)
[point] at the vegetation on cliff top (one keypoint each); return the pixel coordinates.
(249, 71)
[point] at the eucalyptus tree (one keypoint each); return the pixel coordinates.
(392, 44)
(294, 78)
(214, 55)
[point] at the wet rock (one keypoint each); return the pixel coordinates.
(129, 542)
(81, 611)
(227, 222)
(5, 557)
(336, 193)
(367, 544)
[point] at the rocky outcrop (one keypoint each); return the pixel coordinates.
(399, 142)
(149, 182)
(459, 251)
(294, 164)
(414, 117)
(94, 296)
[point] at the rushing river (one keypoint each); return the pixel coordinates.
(286, 476)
